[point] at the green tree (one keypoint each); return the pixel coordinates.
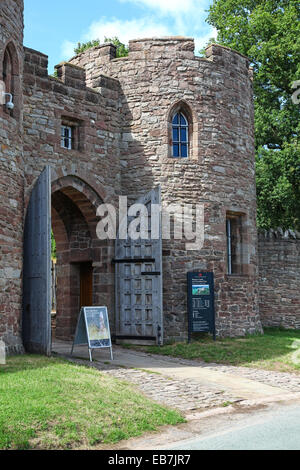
(202, 51)
(84, 46)
(268, 32)
(53, 246)
(122, 49)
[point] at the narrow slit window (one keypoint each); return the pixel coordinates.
(7, 72)
(180, 136)
(7, 78)
(234, 235)
(229, 245)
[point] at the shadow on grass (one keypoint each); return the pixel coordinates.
(28, 362)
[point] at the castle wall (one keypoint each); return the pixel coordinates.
(279, 278)
(121, 110)
(157, 76)
(47, 102)
(11, 179)
(82, 178)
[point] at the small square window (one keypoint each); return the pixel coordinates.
(67, 137)
(71, 134)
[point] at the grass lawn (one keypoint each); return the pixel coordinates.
(275, 350)
(48, 403)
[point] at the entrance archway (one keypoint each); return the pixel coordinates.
(83, 267)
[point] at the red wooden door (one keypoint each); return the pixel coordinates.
(86, 285)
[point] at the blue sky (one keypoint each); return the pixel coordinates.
(55, 27)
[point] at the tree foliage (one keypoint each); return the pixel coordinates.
(268, 32)
(202, 51)
(84, 46)
(122, 49)
(53, 246)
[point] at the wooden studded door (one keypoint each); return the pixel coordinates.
(139, 316)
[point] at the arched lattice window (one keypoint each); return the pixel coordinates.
(180, 136)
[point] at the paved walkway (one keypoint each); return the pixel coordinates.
(274, 428)
(185, 385)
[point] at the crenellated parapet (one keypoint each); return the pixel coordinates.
(35, 63)
(225, 56)
(279, 234)
(71, 75)
(69, 80)
(155, 49)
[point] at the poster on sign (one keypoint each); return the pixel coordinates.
(201, 309)
(93, 329)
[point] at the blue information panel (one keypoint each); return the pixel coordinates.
(201, 308)
(93, 329)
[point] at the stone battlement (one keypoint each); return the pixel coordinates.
(71, 75)
(278, 233)
(70, 80)
(173, 47)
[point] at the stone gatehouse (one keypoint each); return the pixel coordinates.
(106, 127)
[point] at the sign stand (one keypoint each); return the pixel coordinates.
(93, 329)
(201, 307)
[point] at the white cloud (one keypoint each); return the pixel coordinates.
(123, 30)
(132, 29)
(201, 41)
(185, 17)
(169, 6)
(126, 30)
(163, 18)
(67, 49)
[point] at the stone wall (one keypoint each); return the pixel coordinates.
(122, 110)
(279, 278)
(159, 76)
(82, 178)
(11, 178)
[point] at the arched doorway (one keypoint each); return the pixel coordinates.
(83, 268)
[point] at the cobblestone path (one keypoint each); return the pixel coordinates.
(188, 395)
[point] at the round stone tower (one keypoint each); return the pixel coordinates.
(162, 79)
(11, 173)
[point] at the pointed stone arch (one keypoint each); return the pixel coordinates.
(10, 74)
